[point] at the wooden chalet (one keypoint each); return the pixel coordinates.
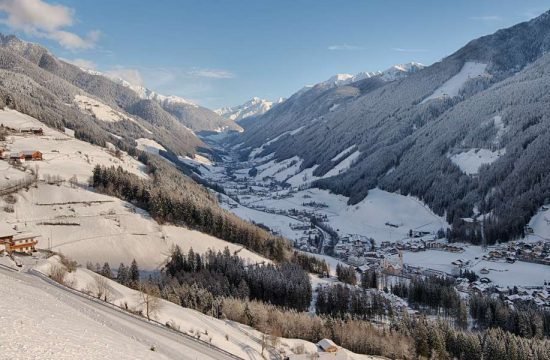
(13, 241)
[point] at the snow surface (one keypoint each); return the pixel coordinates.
(343, 165)
(342, 153)
(540, 223)
(368, 218)
(104, 228)
(501, 273)
(470, 161)
(451, 87)
(238, 339)
(149, 145)
(37, 324)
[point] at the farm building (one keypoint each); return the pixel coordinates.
(17, 242)
(23, 242)
(31, 155)
(25, 155)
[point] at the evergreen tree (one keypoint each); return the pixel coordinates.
(106, 271)
(133, 274)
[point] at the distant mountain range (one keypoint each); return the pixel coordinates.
(36, 82)
(256, 106)
(468, 135)
(252, 107)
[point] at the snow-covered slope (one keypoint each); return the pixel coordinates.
(470, 161)
(65, 325)
(39, 322)
(451, 87)
(253, 107)
(81, 223)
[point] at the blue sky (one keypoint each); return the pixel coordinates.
(221, 53)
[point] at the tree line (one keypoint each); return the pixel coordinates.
(171, 197)
(226, 275)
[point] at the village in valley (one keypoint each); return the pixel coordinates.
(278, 197)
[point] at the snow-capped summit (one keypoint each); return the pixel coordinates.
(401, 70)
(143, 92)
(393, 73)
(149, 94)
(252, 107)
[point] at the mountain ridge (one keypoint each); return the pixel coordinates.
(408, 131)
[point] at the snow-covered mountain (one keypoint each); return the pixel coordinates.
(257, 106)
(148, 94)
(393, 73)
(191, 115)
(252, 107)
(458, 126)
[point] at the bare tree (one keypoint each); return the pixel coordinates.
(102, 289)
(58, 273)
(149, 299)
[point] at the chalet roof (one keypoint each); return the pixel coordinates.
(29, 152)
(25, 236)
(6, 230)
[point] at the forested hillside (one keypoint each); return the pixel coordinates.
(466, 135)
(172, 197)
(31, 69)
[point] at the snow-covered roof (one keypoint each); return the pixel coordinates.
(6, 230)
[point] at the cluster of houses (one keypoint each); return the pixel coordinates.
(20, 156)
(537, 252)
(354, 246)
(13, 241)
(24, 155)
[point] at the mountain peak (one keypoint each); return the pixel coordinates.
(253, 107)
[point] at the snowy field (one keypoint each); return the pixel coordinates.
(540, 223)
(501, 273)
(452, 86)
(149, 145)
(105, 228)
(63, 155)
(368, 218)
(470, 161)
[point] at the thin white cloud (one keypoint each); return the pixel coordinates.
(42, 19)
(486, 18)
(409, 50)
(212, 73)
(133, 76)
(82, 63)
(344, 47)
